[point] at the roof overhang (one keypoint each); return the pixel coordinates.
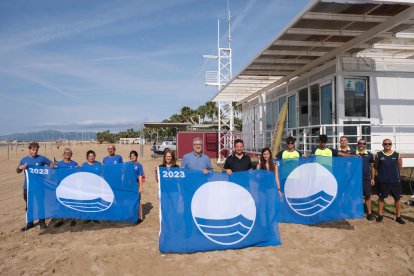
(324, 30)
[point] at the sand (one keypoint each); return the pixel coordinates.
(344, 248)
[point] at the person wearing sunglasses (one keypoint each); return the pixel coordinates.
(368, 173)
(288, 154)
(290, 151)
(388, 164)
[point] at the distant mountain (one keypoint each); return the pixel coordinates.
(49, 135)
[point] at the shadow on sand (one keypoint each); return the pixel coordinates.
(335, 224)
(91, 225)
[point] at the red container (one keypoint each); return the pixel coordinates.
(185, 143)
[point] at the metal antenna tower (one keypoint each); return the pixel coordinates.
(220, 78)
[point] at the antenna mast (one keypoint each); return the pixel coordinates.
(219, 79)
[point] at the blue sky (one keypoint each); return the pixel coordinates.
(96, 65)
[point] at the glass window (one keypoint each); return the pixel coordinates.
(326, 104)
(269, 115)
(355, 97)
(314, 91)
(269, 121)
(291, 112)
(282, 100)
(275, 112)
(351, 133)
(303, 107)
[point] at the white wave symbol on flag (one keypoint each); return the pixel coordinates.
(309, 206)
(310, 189)
(223, 211)
(91, 205)
(85, 192)
(225, 231)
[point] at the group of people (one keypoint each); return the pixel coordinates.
(91, 165)
(197, 160)
(386, 166)
(383, 168)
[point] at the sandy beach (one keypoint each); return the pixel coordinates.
(342, 248)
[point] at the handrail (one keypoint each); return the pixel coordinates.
(402, 136)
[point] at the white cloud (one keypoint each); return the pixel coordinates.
(71, 25)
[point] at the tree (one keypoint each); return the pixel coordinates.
(176, 118)
(187, 114)
(105, 136)
(202, 111)
(212, 110)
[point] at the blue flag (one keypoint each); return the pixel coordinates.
(110, 193)
(320, 189)
(215, 212)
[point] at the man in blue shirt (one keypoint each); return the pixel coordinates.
(139, 172)
(112, 158)
(343, 145)
(197, 160)
(388, 164)
(367, 174)
(33, 159)
(67, 162)
(154, 149)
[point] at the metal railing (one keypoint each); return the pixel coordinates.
(402, 136)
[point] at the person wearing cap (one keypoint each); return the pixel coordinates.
(368, 173)
(388, 164)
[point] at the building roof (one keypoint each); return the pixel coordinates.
(181, 126)
(163, 125)
(325, 29)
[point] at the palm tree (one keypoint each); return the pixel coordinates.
(187, 114)
(212, 110)
(202, 111)
(176, 118)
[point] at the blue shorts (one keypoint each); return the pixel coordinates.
(385, 189)
(366, 188)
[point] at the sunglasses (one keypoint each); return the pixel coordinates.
(289, 143)
(362, 143)
(387, 144)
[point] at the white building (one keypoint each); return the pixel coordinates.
(345, 68)
(131, 141)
